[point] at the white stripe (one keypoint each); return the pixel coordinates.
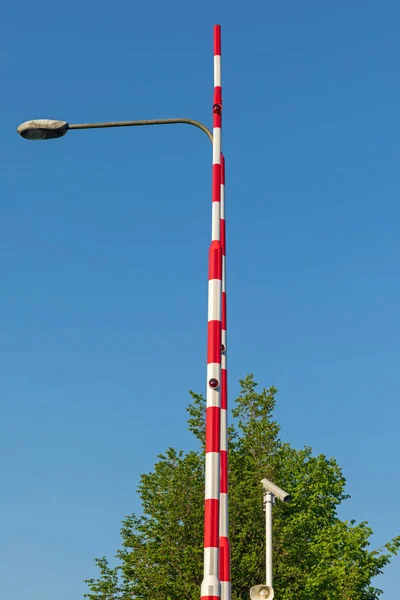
(223, 515)
(212, 476)
(217, 70)
(222, 201)
(213, 372)
(210, 561)
(223, 337)
(215, 221)
(214, 299)
(224, 427)
(216, 146)
(223, 361)
(225, 590)
(210, 585)
(213, 395)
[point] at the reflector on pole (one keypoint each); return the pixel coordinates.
(210, 587)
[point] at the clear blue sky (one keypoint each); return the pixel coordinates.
(103, 261)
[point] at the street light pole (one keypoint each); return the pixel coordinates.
(216, 543)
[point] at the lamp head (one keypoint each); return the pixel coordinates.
(42, 129)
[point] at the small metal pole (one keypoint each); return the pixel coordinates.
(269, 501)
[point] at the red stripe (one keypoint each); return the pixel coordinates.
(224, 389)
(224, 559)
(213, 424)
(217, 40)
(211, 523)
(223, 311)
(217, 98)
(217, 120)
(222, 235)
(224, 472)
(214, 342)
(216, 183)
(215, 260)
(210, 598)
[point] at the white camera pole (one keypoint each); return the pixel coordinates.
(272, 491)
(269, 501)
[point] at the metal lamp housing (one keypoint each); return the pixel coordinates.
(42, 129)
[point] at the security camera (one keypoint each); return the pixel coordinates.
(276, 491)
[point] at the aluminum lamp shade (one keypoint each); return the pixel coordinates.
(42, 129)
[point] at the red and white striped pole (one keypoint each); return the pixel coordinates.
(210, 587)
(224, 547)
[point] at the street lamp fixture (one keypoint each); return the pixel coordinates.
(42, 129)
(47, 129)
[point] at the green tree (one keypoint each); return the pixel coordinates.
(317, 556)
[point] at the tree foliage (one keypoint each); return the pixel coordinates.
(317, 556)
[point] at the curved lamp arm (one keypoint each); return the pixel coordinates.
(142, 123)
